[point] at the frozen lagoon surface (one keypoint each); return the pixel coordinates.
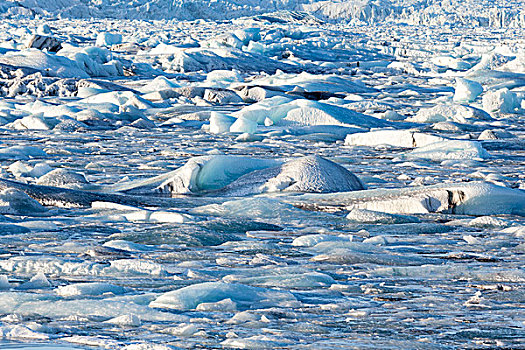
(312, 175)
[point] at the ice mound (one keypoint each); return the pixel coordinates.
(188, 298)
(396, 138)
(62, 178)
(34, 122)
(449, 150)
(16, 202)
(455, 113)
(318, 113)
(473, 198)
(306, 174)
(283, 111)
(200, 174)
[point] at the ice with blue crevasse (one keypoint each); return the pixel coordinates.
(262, 174)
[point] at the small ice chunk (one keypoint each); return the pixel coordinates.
(21, 332)
(137, 267)
(243, 317)
(4, 283)
(365, 216)
(36, 282)
(89, 289)
(502, 100)
(467, 90)
(312, 240)
(449, 150)
(129, 320)
(34, 122)
(244, 125)
(183, 330)
(489, 222)
(495, 135)
(225, 305)
(19, 168)
(16, 202)
(128, 246)
(247, 137)
(450, 112)
(220, 123)
(108, 39)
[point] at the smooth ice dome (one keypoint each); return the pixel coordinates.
(62, 178)
(307, 174)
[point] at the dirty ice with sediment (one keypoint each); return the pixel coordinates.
(262, 174)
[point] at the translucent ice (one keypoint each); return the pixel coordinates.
(245, 296)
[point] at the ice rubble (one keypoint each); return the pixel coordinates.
(244, 296)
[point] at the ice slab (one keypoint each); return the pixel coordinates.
(397, 138)
(245, 297)
(449, 150)
(473, 198)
